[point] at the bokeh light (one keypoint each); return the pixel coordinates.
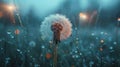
(48, 55)
(83, 16)
(102, 41)
(11, 7)
(118, 19)
(17, 31)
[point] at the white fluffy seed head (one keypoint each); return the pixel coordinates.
(45, 27)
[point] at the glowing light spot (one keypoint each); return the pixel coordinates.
(8, 32)
(111, 48)
(75, 28)
(76, 51)
(77, 38)
(102, 41)
(17, 31)
(118, 19)
(114, 43)
(93, 34)
(83, 16)
(80, 53)
(76, 56)
(101, 32)
(18, 50)
(50, 42)
(11, 7)
(48, 55)
(43, 46)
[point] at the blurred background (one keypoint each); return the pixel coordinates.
(94, 41)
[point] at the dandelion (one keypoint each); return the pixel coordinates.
(45, 27)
